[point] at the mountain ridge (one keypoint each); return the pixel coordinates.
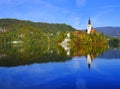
(109, 30)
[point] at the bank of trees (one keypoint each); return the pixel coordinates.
(30, 32)
(82, 38)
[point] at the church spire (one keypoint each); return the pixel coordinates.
(89, 21)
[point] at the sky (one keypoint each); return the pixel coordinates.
(72, 12)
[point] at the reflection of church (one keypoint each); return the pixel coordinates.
(89, 60)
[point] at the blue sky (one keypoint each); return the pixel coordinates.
(72, 12)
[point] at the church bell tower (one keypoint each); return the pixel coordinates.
(89, 26)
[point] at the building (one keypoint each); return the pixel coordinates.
(89, 26)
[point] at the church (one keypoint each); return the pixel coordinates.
(89, 27)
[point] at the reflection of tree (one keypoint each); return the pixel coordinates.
(84, 50)
(114, 43)
(41, 53)
(89, 51)
(28, 54)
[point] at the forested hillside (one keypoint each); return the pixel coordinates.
(43, 27)
(12, 30)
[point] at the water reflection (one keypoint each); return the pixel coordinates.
(15, 55)
(73, 74)
(89, 51)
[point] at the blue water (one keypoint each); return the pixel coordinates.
(72, 74)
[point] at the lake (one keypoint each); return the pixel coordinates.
(54, 67)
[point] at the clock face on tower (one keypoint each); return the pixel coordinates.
(89, 26)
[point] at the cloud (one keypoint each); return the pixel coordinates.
(75, 21)
(100, 14)
(111, 6)
(106, 9)
(81, 3)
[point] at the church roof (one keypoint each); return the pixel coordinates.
(89, 21)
